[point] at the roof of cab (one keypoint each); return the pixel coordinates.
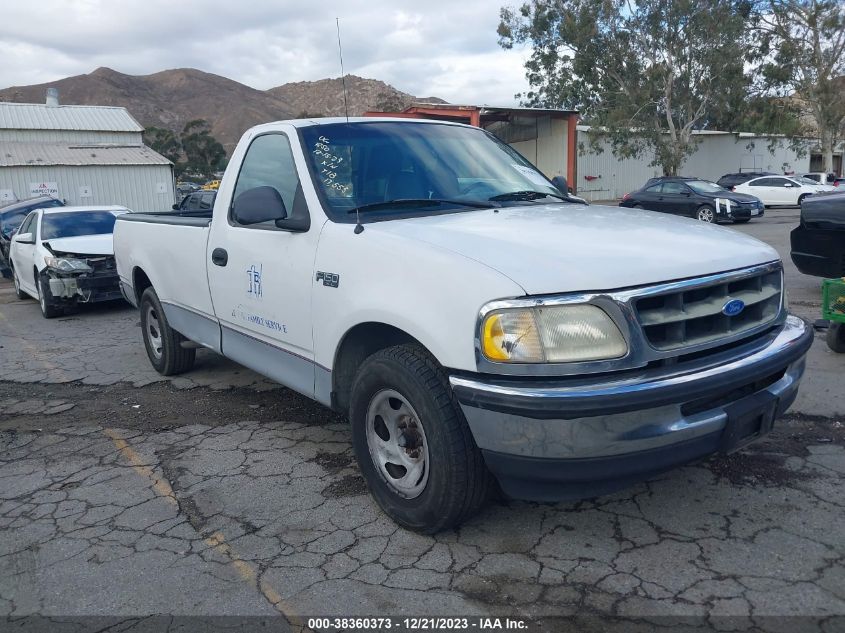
(358, 119)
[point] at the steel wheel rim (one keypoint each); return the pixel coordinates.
(397, 443)
(153, 331)
(705, 215)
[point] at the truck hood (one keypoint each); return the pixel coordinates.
(568, 248)
(84, 244)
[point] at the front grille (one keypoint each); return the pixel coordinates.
(693, 316)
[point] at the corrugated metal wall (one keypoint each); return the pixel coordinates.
(548, 150)
(602, 176)
(133, 186)
(70, 136)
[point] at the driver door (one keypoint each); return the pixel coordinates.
(785, 191)
(261, 276)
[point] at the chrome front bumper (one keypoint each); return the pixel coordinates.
(595, 429)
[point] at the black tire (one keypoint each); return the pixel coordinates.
(457, 481)
(742, 221)
(166, 353)
(49, 309)
(703, 212)
(802, 197)
(19, 293)
(836, 337)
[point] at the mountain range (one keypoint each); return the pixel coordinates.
(171, 98)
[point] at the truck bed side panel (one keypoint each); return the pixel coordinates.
(172, 254)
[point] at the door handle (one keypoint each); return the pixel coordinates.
(219, 257)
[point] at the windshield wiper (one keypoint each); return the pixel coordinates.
(418, 202)
(526, 195)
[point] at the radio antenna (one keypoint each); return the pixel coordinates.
(342, 74)
(359, 228)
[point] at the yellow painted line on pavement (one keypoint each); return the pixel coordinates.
(217, 540)
(139, 464)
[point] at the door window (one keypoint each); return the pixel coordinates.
(269, 163)
(674, 188)
(781, 182)
(207, 201)
(763, 182)
(655, 188)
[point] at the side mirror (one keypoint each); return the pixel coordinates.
(788, 185)
(265, 204)
(560, 183)
(175, 207)
(24, 238)
(261, 204)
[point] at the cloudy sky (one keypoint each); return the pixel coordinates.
(442, 48)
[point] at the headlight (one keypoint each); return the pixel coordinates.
(67, 264)
(551, 334)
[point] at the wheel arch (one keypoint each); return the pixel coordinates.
(357, 344)
(140, 282)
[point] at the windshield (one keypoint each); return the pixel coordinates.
(702, 186)
(74, 224)
(805, 181)
(438, 166)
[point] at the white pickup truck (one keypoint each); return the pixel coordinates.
(474, 323)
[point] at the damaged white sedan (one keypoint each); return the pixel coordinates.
(64, 256)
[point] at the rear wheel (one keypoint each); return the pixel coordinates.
(163, 343)
(705, 213)
(836, 337)
(412, 443)
(19, 293)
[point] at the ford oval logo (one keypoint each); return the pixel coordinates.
(733, 307)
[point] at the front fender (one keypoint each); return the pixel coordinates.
(431, 294)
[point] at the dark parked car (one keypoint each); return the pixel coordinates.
(11, 217)
(705, 201)
(729, 181)
(818, 247)
(818, 243)
(198, 201)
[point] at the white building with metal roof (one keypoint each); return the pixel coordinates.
(85, 155)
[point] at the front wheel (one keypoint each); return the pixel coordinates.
(836, 337)
(49, 309)
(163, 343)
(705, 214)
(412, 443)
(802, 197)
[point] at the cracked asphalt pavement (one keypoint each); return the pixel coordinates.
(219, 493)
